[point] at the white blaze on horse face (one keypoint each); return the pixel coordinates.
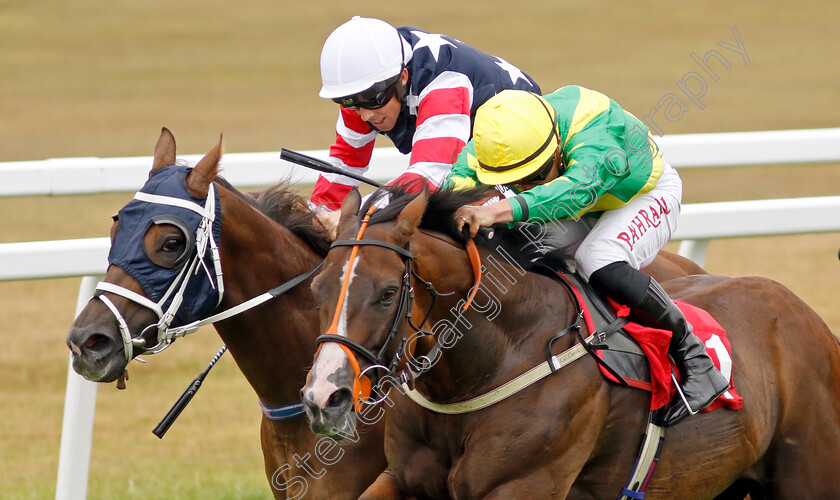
(342, 318)
(332, 359)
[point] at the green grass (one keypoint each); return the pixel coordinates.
(87, 79)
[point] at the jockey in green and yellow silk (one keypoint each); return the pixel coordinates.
(593, 180)
(607, 154)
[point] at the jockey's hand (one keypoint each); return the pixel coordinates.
(329, 220)
(482, 216)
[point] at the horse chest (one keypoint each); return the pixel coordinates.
(491, 451)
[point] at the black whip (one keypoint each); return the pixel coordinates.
(322, 166)
(185, 398)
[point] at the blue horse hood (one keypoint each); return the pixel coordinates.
(128, 253)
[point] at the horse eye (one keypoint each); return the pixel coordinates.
(172, 244)
(388, 295)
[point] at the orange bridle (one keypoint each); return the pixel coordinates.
(362, 386)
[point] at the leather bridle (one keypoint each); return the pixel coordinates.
(364, 385)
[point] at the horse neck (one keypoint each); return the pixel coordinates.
(275, 341)
(504, 330)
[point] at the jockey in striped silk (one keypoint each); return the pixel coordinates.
(420, 89)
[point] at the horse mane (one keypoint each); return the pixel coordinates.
(283, 205)
(440, 207)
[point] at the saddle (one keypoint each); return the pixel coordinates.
(634, 355)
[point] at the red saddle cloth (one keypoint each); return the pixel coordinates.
(654, 343)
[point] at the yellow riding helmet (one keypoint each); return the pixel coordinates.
(515, 133)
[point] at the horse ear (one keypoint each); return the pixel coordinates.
(409, 219)
(164, 150)
(349, 209)
(205, 171)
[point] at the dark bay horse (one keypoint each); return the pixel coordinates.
(264, 241)
(572, 434)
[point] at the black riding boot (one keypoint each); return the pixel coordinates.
(702, 383)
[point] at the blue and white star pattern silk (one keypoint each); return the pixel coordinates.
(514, 72)
(433, 41)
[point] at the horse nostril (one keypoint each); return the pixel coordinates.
(96, 342)
(340, 399)
(308, 402)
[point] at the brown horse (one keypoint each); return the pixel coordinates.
(572, 434)
(266, 240)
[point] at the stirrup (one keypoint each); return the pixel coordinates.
(678, 410)
(660, 415)
(691, 413)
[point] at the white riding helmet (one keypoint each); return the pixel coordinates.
(359, 54)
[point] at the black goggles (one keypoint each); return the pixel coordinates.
(540, 174)
(373, 98)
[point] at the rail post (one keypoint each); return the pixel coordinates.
(77, 426)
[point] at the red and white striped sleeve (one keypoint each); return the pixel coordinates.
(353, 148)
(443, 128)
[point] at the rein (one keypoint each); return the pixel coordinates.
(363, 386)
(181, 331)
(552, 364)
